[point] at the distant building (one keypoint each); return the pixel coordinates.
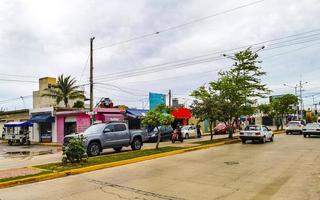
(13, 116)
(40, 101)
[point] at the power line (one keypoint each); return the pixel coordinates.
(18, 81)
(139, 70)
(180, 25)
(14, 75)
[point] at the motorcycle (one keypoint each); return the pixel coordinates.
(177, 136)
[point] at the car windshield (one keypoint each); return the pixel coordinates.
(253, 128)
(313, 126)
(185, 128)
(95, 128)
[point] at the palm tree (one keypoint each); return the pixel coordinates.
(65, 90)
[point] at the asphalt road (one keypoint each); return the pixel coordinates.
(288, 168)
(23, 156)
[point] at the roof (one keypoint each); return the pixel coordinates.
(136, 113)
(107, 110)
(15, 112)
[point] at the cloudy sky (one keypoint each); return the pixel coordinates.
(49, 37)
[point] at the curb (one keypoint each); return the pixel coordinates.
(55, 175)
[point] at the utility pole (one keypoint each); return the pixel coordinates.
(170, 98)
(301, 101)
(296, 94)
(91, 78)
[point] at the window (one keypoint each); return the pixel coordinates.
(120, 127)
(265, 128)
(111, 127)
(253, 128)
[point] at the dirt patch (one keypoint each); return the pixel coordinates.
(18, 172)
(269, 190)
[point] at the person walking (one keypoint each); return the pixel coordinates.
(198, 130)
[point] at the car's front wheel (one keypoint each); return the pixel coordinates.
(94, 149)
(243, 141)
(186, 136)
(136, 144)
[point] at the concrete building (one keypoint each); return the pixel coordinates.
(40, 101)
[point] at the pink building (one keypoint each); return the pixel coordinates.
(77, 121)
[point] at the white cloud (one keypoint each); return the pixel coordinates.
(50, 37)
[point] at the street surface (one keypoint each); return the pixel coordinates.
(288, 168)
(23, 156)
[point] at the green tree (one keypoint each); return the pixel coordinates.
(206, 107)
(265, 108)
(158, 117)
(65, 90)
(283, 106)
(78, 104)
(238, 87)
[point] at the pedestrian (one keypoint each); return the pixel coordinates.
(198, 130)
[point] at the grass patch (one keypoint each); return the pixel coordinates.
(58, 167)
(214, 141)
(21, 177)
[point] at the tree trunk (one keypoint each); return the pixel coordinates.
(159, 137)
(281, 121)
(211, 132)
(229, 129)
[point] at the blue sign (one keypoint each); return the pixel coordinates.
(155, 99)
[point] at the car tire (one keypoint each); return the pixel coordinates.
(94, 149)
(304, 135)
(117, 149)
(263, 140)
(243, 141)
(10, 142)
(186, 136)
(136, 144)
(272, 138)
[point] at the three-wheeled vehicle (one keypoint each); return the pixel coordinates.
(17, 132)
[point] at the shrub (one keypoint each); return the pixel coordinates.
(75, 151)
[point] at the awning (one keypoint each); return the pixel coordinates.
(113, 117)
(17, 124)
(181, 113)
(41, 118)
(136, 113)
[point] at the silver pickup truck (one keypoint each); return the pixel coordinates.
(110, 135)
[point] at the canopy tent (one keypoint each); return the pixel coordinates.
(181, 113)
(41, 118)
(17, 124)
(136, 113)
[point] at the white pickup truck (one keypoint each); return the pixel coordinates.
(259, 133)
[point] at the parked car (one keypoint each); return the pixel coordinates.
(295, 127)
(259, 133)
(110, 135)
(189, 131)
(311, 129)
(221, 128)
(166, 132)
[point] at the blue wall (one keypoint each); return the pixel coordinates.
(155, 99)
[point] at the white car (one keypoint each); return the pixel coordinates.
(259, 133)
(295, 127)
(311, 129)
(189, 131)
